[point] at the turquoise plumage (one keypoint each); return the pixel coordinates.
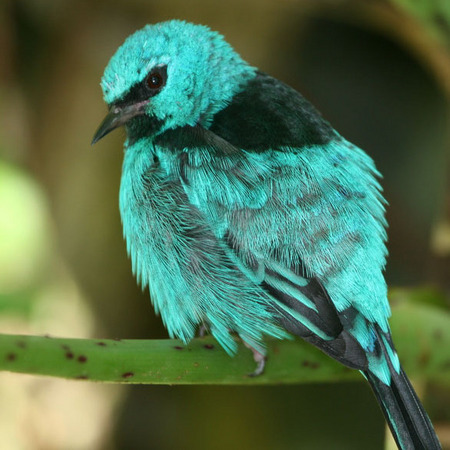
(245, 212)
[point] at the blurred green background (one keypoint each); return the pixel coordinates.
(378, 70)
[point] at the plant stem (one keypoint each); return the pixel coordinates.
(422, 335)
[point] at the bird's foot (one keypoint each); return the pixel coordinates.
(259, 359)
(202, 330)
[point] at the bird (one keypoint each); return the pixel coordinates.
(246, 213)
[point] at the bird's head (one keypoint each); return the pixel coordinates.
(170, 75)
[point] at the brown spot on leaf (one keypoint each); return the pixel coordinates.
(208, 346)
(21, 344)
(69, 355)
(128, 375)
(178, 347)
(82, 359)
(11, 357)
(424, 358)
(81, 377)
(101, 344)
(311, 364)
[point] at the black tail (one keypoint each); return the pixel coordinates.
(405, 415)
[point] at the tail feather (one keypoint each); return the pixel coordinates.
(405, 415)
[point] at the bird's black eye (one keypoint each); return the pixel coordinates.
(155, 80)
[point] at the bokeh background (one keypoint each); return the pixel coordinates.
(378, 70)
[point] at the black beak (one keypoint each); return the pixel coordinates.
(117, 117)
